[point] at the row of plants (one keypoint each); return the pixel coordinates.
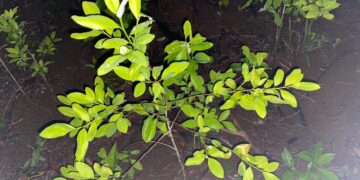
(163, 92)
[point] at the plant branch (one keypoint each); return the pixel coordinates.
(144, 154)
(14, 79)
(170, 126)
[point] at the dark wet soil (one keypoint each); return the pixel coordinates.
(330, 114)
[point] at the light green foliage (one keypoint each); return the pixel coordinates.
(175, 86)
(88, 112)
(110, 166)
(315, 159)
(20, 51)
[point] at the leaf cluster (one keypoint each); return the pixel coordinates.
(309, 9)
(315, 159)
(20, 51)
(109, 166)
(172, 88)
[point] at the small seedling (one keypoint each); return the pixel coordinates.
(315, 160)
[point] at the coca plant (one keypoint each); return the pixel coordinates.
(164, 92)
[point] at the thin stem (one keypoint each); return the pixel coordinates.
(176, 151)
(124, 30)
(170, 126)
(14, 79)
(278, 30)
(144, 154)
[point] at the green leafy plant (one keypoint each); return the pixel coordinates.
(310, 10)
(36, 157)
(108, 168)
(166, 91)
(20, 51)
(315, 159)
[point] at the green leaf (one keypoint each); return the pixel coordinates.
(85, 35)
(306, 86)
(197, 81)
(122, 125)
(56, 130)
(81, 112)
(294, 77)
(212, 123)
(96, 22)
(325, 158)
(112, 5)
(260, 57)
(255, 78)
(224, 115)
(114, 43)
(219, 89)
(230, 83)
(202, 58)
(229, 104)
(139, 89)
(276, 3)
(190, 111)
(84, 170)
(118, 99)
(197, 158)
(287, 157)
(305, 155)
(214, 152)
(201, 46)
(145, 39)
(191, 124)
(241, 149)
(82, 145)
(270, 176)
(123, 72)
(63, 100)
(157, 90)
(271, 167)
(162, 127)
(156, 71)
(229, 125)
(241, 169)
(138, 57)
(67, 111)
(248, 175)
(149, 129)
(328, 16)
(80, 98)
(312, 14)
(135, 7)
(187, 29)
(109, 64)
(279, 77)
(174, 69)
(215, 168)
(288, 97)
(90, 8)
(100, 93)
(328, 175)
